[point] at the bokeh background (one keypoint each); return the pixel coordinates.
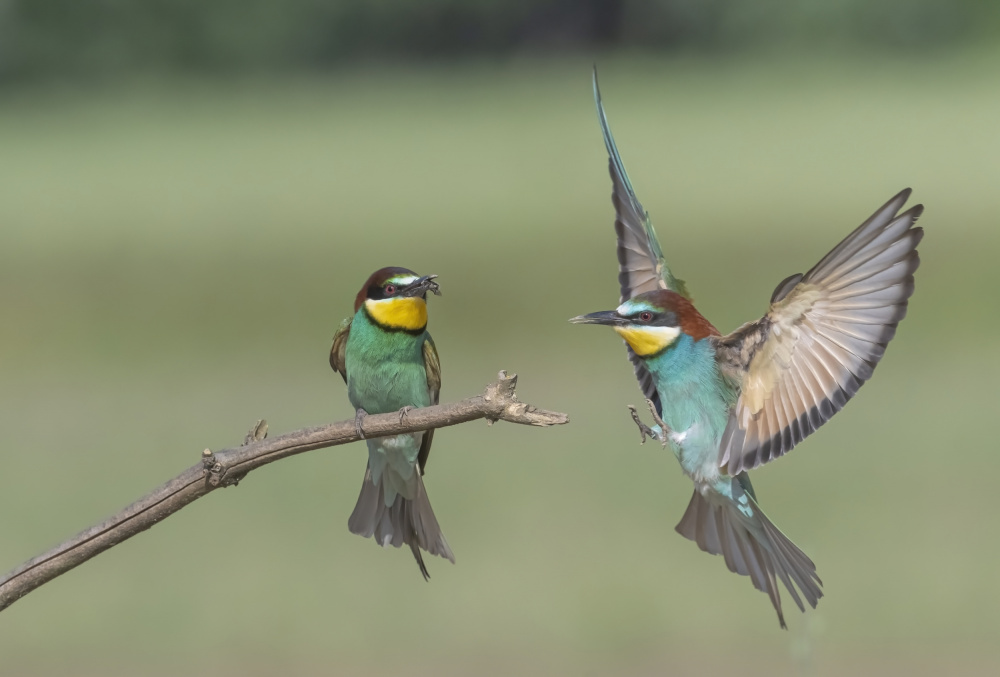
(192, 192)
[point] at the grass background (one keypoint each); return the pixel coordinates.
(175, 257)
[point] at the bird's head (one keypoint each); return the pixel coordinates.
(651, 322)
(396, 298)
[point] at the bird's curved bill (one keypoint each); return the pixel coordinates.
(421, 286)
(608, 317)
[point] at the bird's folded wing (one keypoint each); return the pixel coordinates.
(821, 339)
(339, 347)
(432, 365)
(641, 267)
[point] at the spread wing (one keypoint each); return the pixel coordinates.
(641, 267)
(820, 340)
(339, 347)
(433, 367)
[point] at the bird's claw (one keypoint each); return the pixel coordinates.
(664, 428)
(359, 416)
(403, 412)
(644, 430)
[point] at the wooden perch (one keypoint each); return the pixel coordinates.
(229, 466)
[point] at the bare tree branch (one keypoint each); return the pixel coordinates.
(229, 466)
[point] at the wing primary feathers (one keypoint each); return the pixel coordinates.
(617, 167)
(641, 267)
(862, 234)
(822, 338)
(432, 367)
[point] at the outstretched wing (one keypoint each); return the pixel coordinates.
(338, 348)
(641, 267)
(432, 365)
(820, 340)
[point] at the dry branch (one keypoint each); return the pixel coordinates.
(229, 466)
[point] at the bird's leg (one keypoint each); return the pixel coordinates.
(359, 416)
(404, 411)
(664, 429)
(644, 430)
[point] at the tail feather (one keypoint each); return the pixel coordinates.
(366, 510)
(409, 521)
(751, 546)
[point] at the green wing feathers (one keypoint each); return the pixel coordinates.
(339, 348)
(432, 364)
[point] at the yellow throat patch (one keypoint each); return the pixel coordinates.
(405, 312)
(648, 340)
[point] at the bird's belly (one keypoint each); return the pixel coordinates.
(696, 453)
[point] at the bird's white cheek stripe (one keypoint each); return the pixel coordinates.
(404, 312)
(648, 340)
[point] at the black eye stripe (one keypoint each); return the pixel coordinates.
(666, 318)
(379, 292)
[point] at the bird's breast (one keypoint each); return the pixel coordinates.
(385, 370)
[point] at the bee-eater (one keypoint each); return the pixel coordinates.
(389, 363)
(727, 404)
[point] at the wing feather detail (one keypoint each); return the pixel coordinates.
(641, 266)
(338, 360)
(820, 340)
(432, 365)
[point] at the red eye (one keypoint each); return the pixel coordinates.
(645, 316)
(390, 289)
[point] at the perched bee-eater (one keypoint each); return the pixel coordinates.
(727, 404)
(389, 363)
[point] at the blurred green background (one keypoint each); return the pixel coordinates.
(182, 229)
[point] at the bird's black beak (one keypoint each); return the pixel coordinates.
(421, 286)
(608, 317)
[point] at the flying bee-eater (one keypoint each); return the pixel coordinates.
(728, 404)
(389, 363)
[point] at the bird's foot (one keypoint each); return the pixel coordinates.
(644, 430)
(359, 416)
(403, 412)
(664, 429)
